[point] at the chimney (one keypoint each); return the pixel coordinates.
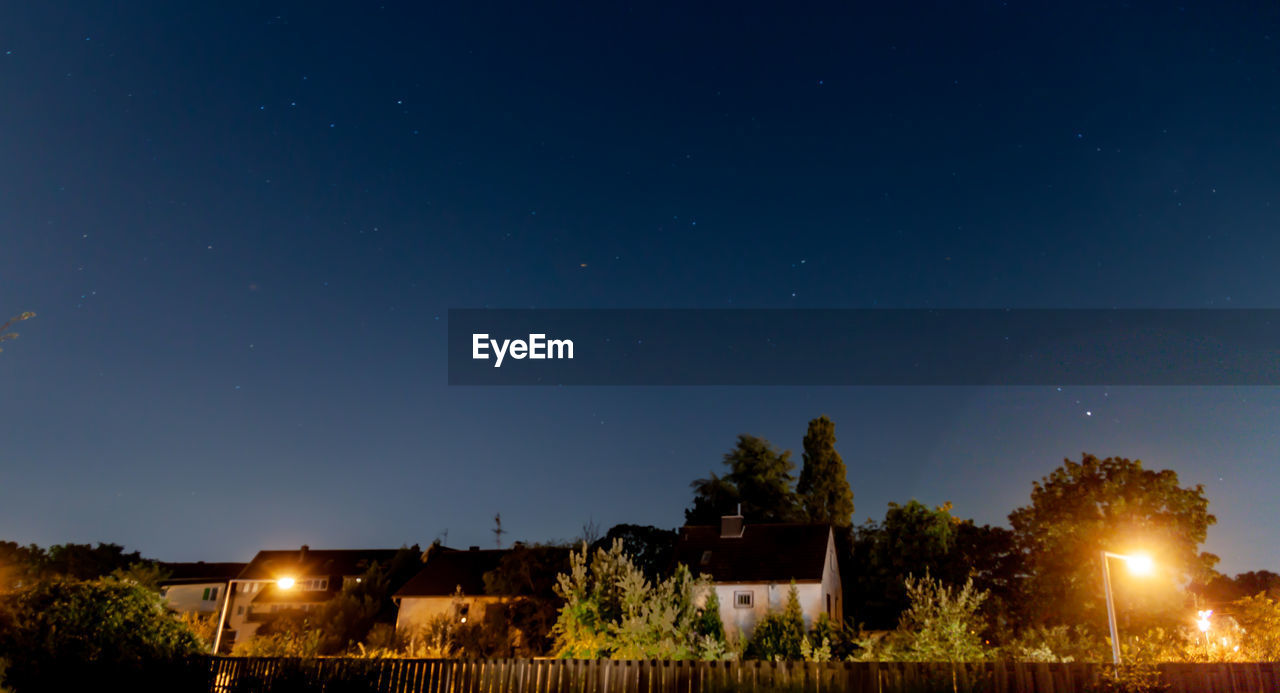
(302, 553)
(731, 526)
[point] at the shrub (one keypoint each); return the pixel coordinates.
(780, 635)
(70, 634)
(1130, 678)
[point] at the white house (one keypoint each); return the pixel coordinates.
(753, 567)
(450, 585)
(197, 587)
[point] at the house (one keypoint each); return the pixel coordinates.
(450, 584)
(753, 565)
(277, 583)
(197, 587)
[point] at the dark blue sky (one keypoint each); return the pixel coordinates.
(242, 227)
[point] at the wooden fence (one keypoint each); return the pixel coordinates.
(341, 675)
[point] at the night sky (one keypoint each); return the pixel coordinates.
(242, 226)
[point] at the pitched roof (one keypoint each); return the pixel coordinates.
(764, 553)
(308, 562)
(198, 572)
(446, 570)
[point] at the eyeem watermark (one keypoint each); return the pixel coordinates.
(536, 347)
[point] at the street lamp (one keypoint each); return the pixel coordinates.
(1139, 564)
(284, 583)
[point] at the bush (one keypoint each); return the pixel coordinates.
(70, 634)
(1130, 678)
(1056, 644)
(942, 624)
(612, 610)
(780, 636)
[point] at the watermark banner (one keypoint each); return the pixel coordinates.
(864, 347)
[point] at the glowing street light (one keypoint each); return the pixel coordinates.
(284, 583)
(1139, 564)
(1202, 622)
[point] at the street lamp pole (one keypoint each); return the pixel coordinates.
(1111, 608)
(1138, 564)
(284, 583)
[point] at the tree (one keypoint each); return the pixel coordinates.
(759, 479)
(990, 557)
(1221, 589)
(1259, 616)
(650, 548)
(527, 574)
(7, 336)
(913, 540)
(64, 634)
(823, 488)
(1083, 508)
(85, 562)
(147, 574)
(20, 565)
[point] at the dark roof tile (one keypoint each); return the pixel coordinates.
(271, 565)
(764, 553)
(446, 570)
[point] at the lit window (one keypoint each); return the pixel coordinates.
(744, 600)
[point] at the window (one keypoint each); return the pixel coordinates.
(213, 593)
(239, 611)
(829, 612)
(744, 600)
(706, 558)
(205, 596)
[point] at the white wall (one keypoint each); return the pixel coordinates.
(416, 612)
(768, 597)
(188, 598)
